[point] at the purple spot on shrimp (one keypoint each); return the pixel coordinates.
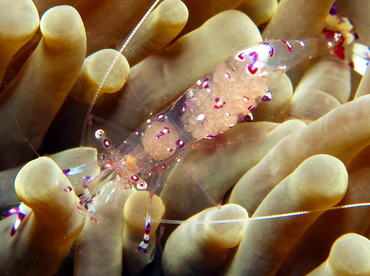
(147, 228)
(106, 143)
(11, 212)
(160, 117)
(204, 84)
(66, 171)
(16, 224)
(267, 97)
(271, 50)
(87, 179)
(219, 103)
(68, 189)
(254, 56)
(140, 248)
(213, 136)
(21, 213)
(248, 117)
(334, 9)
(180, 144)
(251, 69)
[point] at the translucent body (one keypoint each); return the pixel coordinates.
(214, 104)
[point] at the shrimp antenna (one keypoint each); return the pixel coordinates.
(109, 69)
(263, 217)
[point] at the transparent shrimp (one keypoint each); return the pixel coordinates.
(216, 103)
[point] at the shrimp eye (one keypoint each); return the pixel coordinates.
(142, 186)
(99, 133)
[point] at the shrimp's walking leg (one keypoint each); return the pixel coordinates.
(99, 247)
(138, 207)
(143, 246)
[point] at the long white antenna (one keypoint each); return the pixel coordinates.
(266, 217)
(109, 69)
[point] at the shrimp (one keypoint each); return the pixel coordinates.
(217, 102)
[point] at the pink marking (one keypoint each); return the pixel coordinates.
(219, 103)
(163, 132)
(20, 217)
(252, 70)
(204, 84)
(254, 56)
(160, 118)
(68, 189)
(267, 97)
(86, 180)
(289, 45)
(180, 144)
(337, 38)
(143, 246)
(272, 50)
(241, 56)
(248, 117)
